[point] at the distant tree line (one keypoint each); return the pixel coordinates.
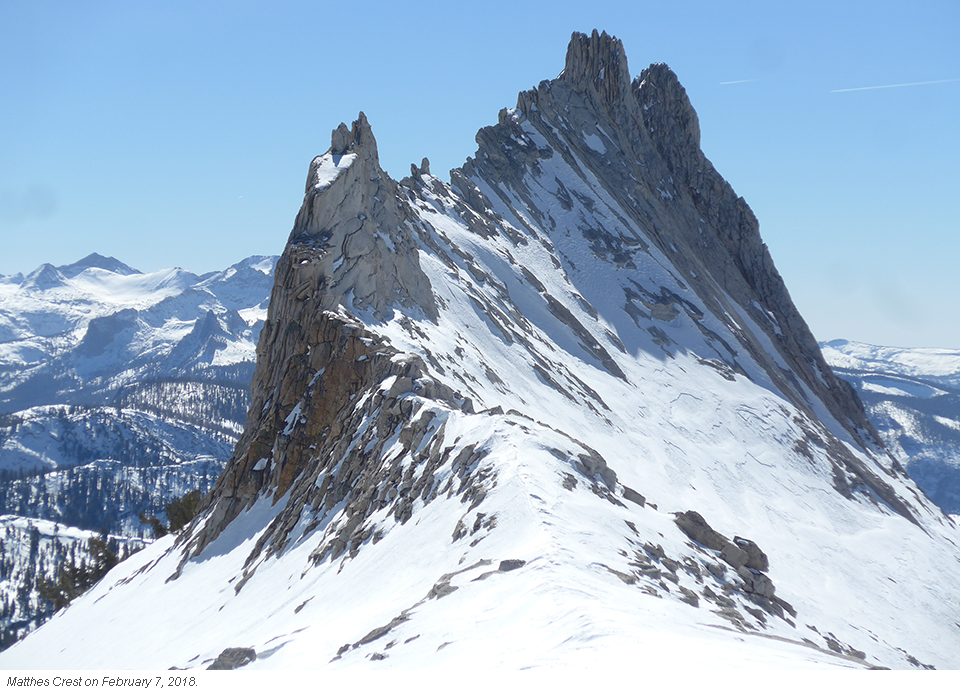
(121, 470)
(217, 405)
(180, 512)
(106, 497)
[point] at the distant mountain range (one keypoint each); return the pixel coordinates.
(912, 397)
(89, 332)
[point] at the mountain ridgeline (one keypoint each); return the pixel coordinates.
(565, 397)
(635, 146)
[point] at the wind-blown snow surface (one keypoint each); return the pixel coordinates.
(565, 605)
(913, 399)
(602, 363)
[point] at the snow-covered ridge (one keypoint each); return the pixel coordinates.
(933, 365)
(74, 294)
(558, 408)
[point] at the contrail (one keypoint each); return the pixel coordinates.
(891, 86)
(739, 81)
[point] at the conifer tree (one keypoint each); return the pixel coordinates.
(183, 510)
(75, 579)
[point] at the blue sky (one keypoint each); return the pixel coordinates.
(179, 133)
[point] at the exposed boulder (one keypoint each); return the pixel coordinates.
(756, 582)
(733, 555)
(592, 463)
(233, 658)
(741, 553)
(698, 530)
(634, 496)
(756, 557)
(511, 564)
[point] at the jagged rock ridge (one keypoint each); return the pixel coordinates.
(348, 248)
(539, 366)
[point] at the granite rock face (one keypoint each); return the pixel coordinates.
(347, 246)
(348, 238)
(653, 165)
(640, 141)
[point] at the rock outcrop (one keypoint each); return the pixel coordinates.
(347, 244)
(349, 248)
(233, 658)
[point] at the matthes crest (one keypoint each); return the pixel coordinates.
(564, 397)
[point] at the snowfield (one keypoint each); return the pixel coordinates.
(564, 606)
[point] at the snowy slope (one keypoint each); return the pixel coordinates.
(484, 411)
(913, 399)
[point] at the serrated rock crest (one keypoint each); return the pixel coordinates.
(588, 247)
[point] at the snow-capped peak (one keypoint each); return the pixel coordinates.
(95, 260)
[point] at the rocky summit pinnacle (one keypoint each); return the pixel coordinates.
(597, 63)
(347, 238)
(564, 396)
